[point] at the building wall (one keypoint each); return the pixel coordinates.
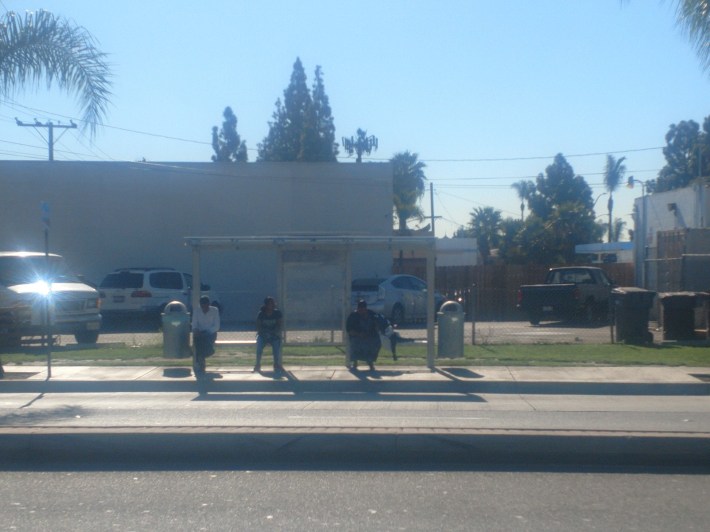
(685, 208)
(106, 215)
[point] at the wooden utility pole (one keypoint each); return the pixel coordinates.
(50, 128)
(431, 202)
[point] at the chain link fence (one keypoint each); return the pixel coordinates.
(488, 295)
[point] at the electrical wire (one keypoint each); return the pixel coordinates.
(15, 104)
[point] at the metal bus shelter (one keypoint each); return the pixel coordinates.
(343, 246)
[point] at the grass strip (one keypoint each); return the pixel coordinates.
(408, 355)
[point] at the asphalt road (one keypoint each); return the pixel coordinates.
(410, 424)
(104, 451)
(325, 499)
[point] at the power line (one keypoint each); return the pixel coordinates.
(526, 158)
(538, 157)
(51, 126)
(372, 159)
(439, 180)
(118, 128)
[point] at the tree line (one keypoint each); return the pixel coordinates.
(41, 45)
(561, 211)
(302, 129)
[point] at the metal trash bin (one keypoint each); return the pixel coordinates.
(176, 330)
(631, 307)
(450, 320)
(678, 315)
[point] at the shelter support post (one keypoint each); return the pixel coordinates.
(431, 283)
(196, 278)
(347, 289)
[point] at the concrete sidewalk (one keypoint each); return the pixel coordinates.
(565, 374)
(406, 417)
(494, 379)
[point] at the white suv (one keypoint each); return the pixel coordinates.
(136, 292)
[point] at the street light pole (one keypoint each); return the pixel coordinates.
(599, 196)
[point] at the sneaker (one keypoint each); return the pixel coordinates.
(372, 366)
(257, 369)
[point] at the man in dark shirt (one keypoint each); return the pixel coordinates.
(363, 331)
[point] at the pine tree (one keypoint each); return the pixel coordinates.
(302, 128)
(327, 149)
(227, 145)
(273, 147)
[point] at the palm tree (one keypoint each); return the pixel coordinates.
(525, 189)
(619, 226)
(613, 176)
(408, 187)
(693, 18)
(41, 45)
(486, 229)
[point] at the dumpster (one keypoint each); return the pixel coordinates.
(176, 330)
(631, 307)
(678, 315)
(450, 321)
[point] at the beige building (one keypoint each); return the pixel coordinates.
(107, 215)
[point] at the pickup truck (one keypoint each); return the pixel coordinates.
(36, 289)
(568, 293)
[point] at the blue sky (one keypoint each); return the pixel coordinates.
(486, 92)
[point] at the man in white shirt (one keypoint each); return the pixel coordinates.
(205, 324)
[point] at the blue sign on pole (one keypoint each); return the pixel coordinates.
(45, 214)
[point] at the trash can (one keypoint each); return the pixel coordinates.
(176, 330)
(678, 315)
(450, 320)
(631, 307)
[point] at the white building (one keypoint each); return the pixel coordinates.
(684, 209)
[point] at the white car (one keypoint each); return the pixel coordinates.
(400, 298)
(38, 294)
(144, 292)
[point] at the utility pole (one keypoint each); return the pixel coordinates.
(431, 200)
(50, 128)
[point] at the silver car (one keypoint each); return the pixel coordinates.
(401, 298)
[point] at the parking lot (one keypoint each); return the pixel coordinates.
(483, 333)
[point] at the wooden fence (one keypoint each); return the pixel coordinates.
(493, 288)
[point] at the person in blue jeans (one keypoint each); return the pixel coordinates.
(269, 327)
